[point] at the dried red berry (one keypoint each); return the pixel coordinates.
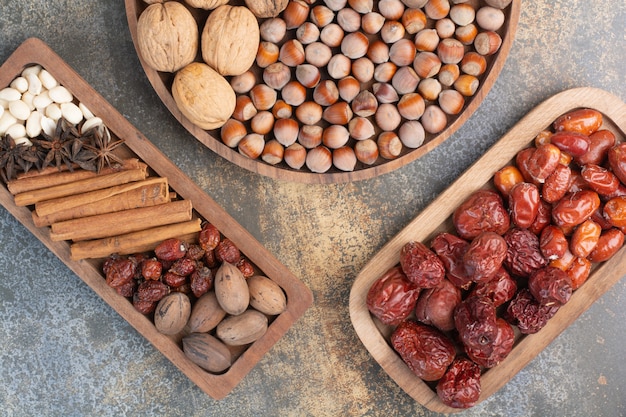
(460, 385)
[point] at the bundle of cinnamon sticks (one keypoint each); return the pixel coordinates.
(119, 210)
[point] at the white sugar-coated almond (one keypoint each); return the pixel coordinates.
(71, 113)
(6, 120)
(23, 141)
(86, 112)
(60, 94)
(47, 79)
(33, 124)
(4, 104)
(42, 101)
(34, 84)
(10, 94)
(53, 111)
(16, 130)
(33, 69)
(90, 123)
(28, 99)
(1, 111)
(20, 84)
(19, 110)
(48, 125)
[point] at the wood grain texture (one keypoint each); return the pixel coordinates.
(161, 83)
(35, 51)
(437, 217)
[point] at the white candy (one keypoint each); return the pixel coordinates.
(20, 84)
(34, 84)
(60, 94)
(19, 110)
(90, 123)
(71, 113)
(10, 94)
(48, 126)
(53, 111)
(1, 111)
(33, 124)
(6, 120)
(4, 104)
(42, 101)
(33, 69)
(86, 112)
(47, 79)
(16, 130)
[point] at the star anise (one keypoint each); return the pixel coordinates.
(102, 147)
(12, 157)
(58, 146)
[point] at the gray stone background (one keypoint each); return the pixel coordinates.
(64, 352)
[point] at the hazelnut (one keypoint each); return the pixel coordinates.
(244, 109)
(387, 117)
(335, 136)
(319, 159)
(363, 69)
(372, 23)
(307, 33)
(384, 72)
(273, 30)
(429, 88)
(349, 20)
(434, 120)
(243, 83)
(310, 136)
(339, 113)
(262, 122)
(466, 84)
(451, 101)
(411, 106)
(405, 80)
(339, 66)
(392, 31)
(487, 43)
(232, 132)
(291, 53)
(332, 35)
(326, 93)
(378, 51)
(385, 93)
(273, 152)
(318, 54)
(448, 74)
(473, 63)
(276, 76)
(344, 158)
(295, 13)
(349, 87)
(362, 6)
(293, 93)
(354, 45)
(389, 145)
(361, 128)
(445, 28)
(321, 15)
(309, 113)
(462, 14)
(490, 18)
(364, 104)
(391, 9)
(366, 151)
(411, 134)
(437, 9)
(286, 131)
(402, 52)
(263, 97)
(413, 20)
(426, 40)
(295, 155)
(308, 75)
(466, 34)
(282, 110)
(251, 145)
(426, 64)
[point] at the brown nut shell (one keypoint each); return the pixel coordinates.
(172, 313)
(203, 96)
(231, 289)
(242, 329)
(266, 296)
(167, 36)
(207, 352)
(266, 8)
(205, 314)
(230, 39)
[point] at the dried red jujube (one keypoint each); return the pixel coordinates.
(460, 385)
(527, 313)
(421, 265)
(500, 289)
(484, 256)
(450, 249)
(483, 211)
(501, 346)
(392, 297)
(435, 306)
(523, 255)
(550, 286)
(475, 320)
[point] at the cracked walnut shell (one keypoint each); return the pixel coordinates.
(167, 36)
(203, 96)
(230, 39)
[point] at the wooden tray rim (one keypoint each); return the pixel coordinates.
(427, 221)
(299, 297)
(259, 167)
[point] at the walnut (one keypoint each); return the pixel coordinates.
(203, 96)
(230, 39)
(167, 36)
(206, 4)
(266, 8)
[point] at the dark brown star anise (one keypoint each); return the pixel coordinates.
(12, 157)
(58, 146)
(102, 147)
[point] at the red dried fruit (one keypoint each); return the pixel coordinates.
(575, 208)
(550, 286)
(246, 268)
(151, 291)
(600, 179)
(617, 161)
(578, 272)
(553, 242)
(209, 237)
(524, 201)
(490, 356)
(543, 219)
(173, 279)
(392, 297)
(599, 144)
(505, 178)
(542, 161)
(170, 249)
(144, 306)
(460, 385)
(574, 143)
(127, 290)
(609, 243)
(227, 251)
(557, 184)
(584, 121)
(195, 252)
(435, 306)
(450, 249)
(201, 281)
(120, 272)
(523, 255)
(151, 269)
(483, 211)
(425, 350)
(210, 260)
(585, 238)
(499, 289)
(484, 256)
(527, 314)
(475, 320)
(615, 211)
(421, 265)
(184, 267)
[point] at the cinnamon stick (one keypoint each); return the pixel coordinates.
(135, 242)
(146, 193)
(127, 221)
(81, 186)
(51, 176)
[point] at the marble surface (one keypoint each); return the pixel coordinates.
(64, 352)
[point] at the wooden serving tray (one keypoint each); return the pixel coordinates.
(299, 297)
(437, 218)
(161, 82)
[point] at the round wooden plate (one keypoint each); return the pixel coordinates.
(161, 82)
(437, 218)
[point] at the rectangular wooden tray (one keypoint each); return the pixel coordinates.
(299, 298)
(437, 218)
